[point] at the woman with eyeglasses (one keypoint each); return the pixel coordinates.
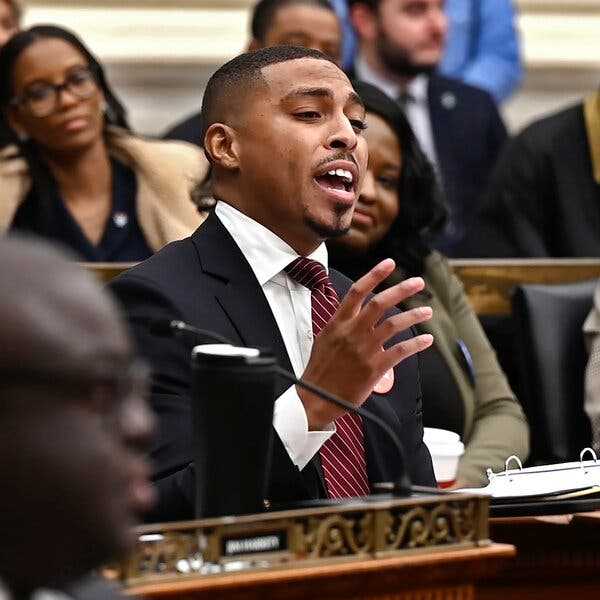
(77, 175)
(398, 212)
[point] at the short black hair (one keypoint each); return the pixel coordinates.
(236, 78)
(265, 11)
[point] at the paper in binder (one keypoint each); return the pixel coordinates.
(556, 481)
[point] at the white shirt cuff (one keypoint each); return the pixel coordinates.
(291, 424)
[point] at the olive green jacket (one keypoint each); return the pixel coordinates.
(495, 426)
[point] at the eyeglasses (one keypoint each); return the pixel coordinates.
(103, 389)
(41, 99)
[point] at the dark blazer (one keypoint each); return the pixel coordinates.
(543, 199)
(468, 134)
(189, 130)
(206, 281)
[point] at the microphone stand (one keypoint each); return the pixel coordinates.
(402, 487)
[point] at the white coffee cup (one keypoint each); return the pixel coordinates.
(446, 449)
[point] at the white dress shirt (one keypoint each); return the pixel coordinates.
(416, 109)
(268, 255)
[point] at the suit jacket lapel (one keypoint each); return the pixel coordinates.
(440, 123)
(248, 310)
(378, 447)
(241, 296)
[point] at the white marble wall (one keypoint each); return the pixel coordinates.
(160, 53)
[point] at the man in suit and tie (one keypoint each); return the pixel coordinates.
(458, 126)
(282, 130)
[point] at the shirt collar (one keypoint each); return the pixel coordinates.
(417, 88)
(266, 252)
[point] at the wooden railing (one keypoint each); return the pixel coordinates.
(489, 283)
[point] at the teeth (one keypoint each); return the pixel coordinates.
(341, 173)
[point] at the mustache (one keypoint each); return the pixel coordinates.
(338, 156)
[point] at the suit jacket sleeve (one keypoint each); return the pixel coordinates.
(514, 220)
(169, 359)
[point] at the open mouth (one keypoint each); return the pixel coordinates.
(338, 181)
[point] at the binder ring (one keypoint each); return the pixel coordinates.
(583, 453)
(516, 459)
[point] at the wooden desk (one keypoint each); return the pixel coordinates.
(433, 575)
(558, 558)
(106, 271)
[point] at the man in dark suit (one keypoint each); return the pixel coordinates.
(288, 160)
(457, 125)
(544, 195)
(306, 23)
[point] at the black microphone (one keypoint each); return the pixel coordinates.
(402, 487)
(166, 327)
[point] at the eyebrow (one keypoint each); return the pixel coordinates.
(321, 92)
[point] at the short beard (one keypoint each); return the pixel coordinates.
(326, 232)
(397, 60)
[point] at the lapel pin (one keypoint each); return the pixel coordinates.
(120, 219)
(448, 100)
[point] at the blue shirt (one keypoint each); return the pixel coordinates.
(483, 46)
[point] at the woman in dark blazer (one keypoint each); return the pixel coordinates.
(398, 213)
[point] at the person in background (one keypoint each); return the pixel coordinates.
(76, 175)
(543, 199)
(10, 21)
(397, 213)
(482, 47)
(74, 425)
(305, 23)
(591, 330)
(458, 126)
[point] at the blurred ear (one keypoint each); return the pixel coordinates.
(221, 145)
(364, 21)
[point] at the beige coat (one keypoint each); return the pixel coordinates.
(495, 426)
(166, 173)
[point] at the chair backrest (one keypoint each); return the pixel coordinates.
(552, 359)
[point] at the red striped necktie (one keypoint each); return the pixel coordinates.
(343, 454)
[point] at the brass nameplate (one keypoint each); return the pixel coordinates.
(355, 530)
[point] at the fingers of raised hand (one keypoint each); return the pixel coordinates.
(382, 302)
(357, 294)
(402, 350)
(393, 325)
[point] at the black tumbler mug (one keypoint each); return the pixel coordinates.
(233, 400)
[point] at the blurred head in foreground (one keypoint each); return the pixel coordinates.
(73, 422)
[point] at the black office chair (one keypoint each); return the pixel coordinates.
(552, 359)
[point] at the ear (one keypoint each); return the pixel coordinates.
(364, 21)
(221, 145)
(254, 45)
